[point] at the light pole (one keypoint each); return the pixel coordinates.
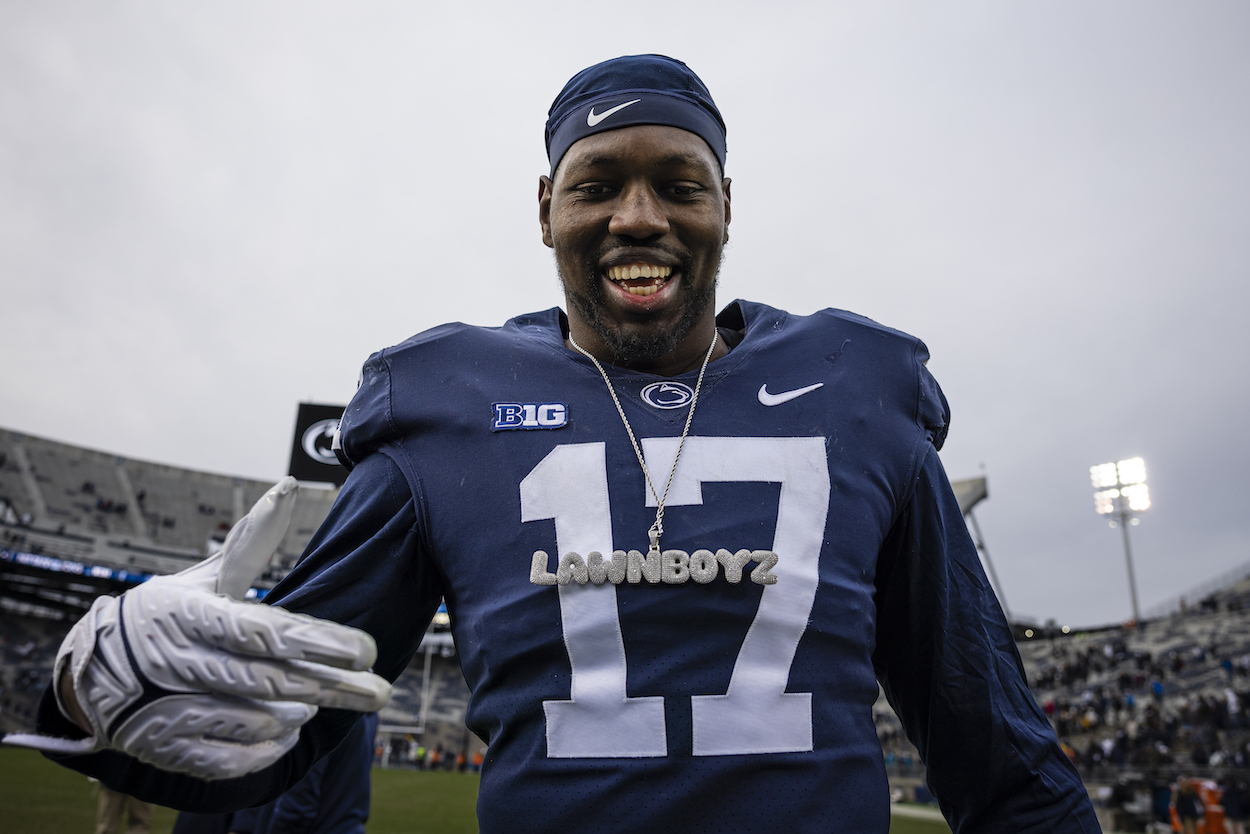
(1120, 490)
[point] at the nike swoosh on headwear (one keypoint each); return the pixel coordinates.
(593, 118)
(785, 396)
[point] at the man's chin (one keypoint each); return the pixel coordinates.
(648, 339)
(633, 343)
(644, 347)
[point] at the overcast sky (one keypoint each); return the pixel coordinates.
(211, 212)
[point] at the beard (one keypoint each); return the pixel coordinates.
(648, 343)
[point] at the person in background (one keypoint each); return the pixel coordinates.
(115, 807)
(1189, 807)
(1235, 806)
(332, 798)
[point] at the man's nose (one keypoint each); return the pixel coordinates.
(639, 214)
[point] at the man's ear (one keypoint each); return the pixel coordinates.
(724, 186)
(544, 207)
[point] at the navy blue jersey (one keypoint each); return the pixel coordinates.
(811, 547)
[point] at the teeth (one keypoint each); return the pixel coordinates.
(636, 271)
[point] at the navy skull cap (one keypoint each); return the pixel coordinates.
(633, 90)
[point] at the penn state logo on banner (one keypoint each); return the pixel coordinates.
(312, 458)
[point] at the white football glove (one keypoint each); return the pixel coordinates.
(180, 673)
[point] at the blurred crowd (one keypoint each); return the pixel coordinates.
(1115, 704)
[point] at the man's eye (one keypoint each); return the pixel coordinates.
(681, 190)
(592, 189)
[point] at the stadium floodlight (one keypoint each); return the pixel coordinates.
(1131, 471)
(1138, 497)
(1103, 475)
(1104, 501)
(1120, 489)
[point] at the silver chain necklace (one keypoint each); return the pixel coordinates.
(657, 529)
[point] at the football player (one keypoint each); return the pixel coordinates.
(681, 550)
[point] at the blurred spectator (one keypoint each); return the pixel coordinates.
(115, 807)
(1189, 807)
(1235, 806)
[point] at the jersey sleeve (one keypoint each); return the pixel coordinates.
(947, 661)
(365, 567)
(368, 421)
(933, 413)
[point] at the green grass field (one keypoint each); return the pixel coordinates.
(38, 797)
(441, 802)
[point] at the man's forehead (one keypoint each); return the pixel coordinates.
(650, 147)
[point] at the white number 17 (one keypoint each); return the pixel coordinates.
(756, 714)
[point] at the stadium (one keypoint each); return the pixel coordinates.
(1134, 706)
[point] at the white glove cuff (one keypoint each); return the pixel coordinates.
(76, 651)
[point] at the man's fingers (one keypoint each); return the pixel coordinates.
(252, 542)
(285, 680)
(267, 679)
(166, 620)
(341, 689)
(274, 632)
(249, 546)
(211, 736)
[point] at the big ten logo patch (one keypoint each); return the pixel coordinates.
(510, 416)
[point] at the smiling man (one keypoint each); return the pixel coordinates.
(638, 217)
(681, 551)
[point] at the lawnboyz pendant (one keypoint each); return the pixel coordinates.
(657, 529)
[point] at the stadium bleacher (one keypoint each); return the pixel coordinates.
(1172, 692)
(86, 505)
(28, 647)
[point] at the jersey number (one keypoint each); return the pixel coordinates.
(756, 714)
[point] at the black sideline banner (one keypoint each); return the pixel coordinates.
(311, 457)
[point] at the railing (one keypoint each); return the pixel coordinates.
(1198, 592)
(1106, 773)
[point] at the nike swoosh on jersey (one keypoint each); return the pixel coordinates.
(593, 118)
(785, 396)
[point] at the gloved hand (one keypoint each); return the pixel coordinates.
(180, 673)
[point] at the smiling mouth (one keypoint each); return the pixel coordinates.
(639, 279)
